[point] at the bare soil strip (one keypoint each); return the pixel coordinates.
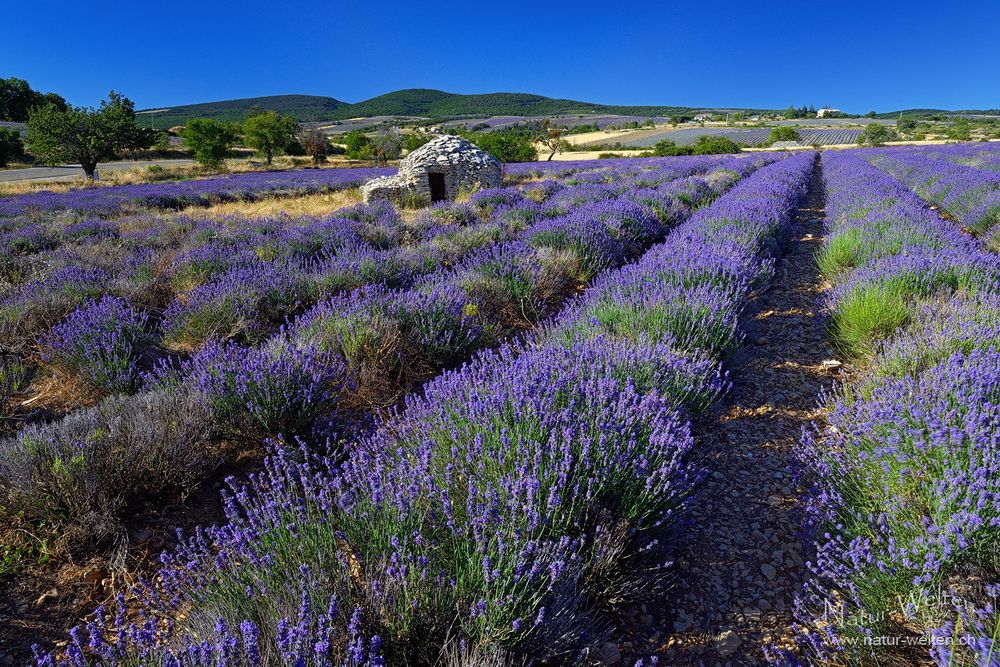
(742, 560)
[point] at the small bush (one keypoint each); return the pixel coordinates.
(80, 473)
(282, 388)
(876, 134)
(102, 342)
(666, 148)
(782, 133)
(714, 145)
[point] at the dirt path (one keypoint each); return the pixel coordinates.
(742, 561)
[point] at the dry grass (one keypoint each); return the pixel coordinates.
(317, 204)
(136, 175)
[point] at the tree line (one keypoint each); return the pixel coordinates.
(61, 133)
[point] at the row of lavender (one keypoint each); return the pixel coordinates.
(509, 511)
(338, 357)
(905, 482)
(970, 195)
(116, 200)
(981, 155)
(196, 279)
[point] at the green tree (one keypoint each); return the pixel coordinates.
(665, 148)
(85, 135)
(17, 100)
(268, 132)
(790, 112)
(358, 145)
(210, 140)
(506, 145)
(714, 144)
(11, 147)
(906, 124)
(870, 114)
(412, 142)
(876, 134)
(782, 133)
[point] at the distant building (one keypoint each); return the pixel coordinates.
(702, 117)
(829, 113)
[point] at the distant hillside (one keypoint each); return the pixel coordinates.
(435, 104)
(914, 113)
(300, 107)
(439, 104)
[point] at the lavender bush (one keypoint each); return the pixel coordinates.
(904, 506)
(102, 342)
(110, 201)
(510, 506)
(81, 472)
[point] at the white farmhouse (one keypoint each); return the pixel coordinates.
(828, 113)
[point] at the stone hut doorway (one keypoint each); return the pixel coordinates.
(436, 183)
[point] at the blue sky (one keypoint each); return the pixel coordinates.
(853, 55)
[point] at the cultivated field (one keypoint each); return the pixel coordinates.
(718, 410)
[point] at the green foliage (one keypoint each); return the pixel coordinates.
(268, 132)
(11, 146)
(582, 129)
(782, 133)
(439, 104)
(868, 315)
(210, 140)
(412, 142)
(876, 134)
(85, 135)
(509, 145)
(303, 108)
(665, 148)
(713, 145)
(17, 100)
(358, 145)
(960, 130)
(906, 125)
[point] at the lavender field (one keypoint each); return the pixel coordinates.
(726, 409)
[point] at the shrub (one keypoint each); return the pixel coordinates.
(80, 473)
(413, 141)
(665, 148)
(102, 341)
(712, 145)
(506, 145)
(246, 302)
(282, 388)
(782, 133)
(211, 141)
(876, 134)
(268, 132)
(358, 145)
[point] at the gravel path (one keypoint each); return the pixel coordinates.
(742, 560)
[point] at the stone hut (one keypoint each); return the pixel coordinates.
(436, 171)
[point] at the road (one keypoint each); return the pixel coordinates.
(71, 172)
